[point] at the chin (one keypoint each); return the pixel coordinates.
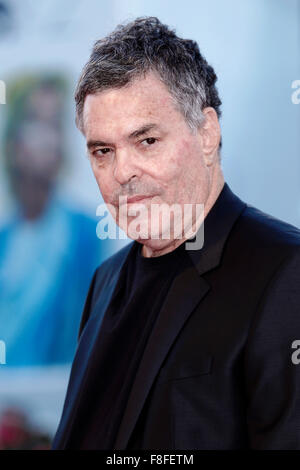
(154, 244)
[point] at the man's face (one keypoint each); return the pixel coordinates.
(35, 165)
(140, 145)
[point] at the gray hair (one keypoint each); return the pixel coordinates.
(144, 45)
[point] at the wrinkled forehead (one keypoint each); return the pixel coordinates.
(121, 110)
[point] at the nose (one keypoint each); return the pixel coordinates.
(126, 166)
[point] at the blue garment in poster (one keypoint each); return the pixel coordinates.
(45, 270)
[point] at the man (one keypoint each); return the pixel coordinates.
(178, 348)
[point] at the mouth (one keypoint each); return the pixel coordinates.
(137, 198)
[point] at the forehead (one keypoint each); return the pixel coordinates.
(124, 109)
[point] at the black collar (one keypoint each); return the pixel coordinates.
(216, 227)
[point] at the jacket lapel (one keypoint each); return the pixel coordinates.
(187, 291)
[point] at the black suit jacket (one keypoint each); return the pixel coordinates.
(217, 371)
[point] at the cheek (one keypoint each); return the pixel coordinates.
(178, 164)
(185, 172)
(172, 164)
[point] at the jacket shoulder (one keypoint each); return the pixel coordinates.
(268, 232)
(108, 268)
(114, 261)
(259, 244)
(101, 278)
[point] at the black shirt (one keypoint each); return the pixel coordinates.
(125, 330)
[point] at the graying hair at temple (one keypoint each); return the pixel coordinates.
(144, 45)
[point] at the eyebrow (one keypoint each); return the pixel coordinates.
(137, 133)
(143, 130)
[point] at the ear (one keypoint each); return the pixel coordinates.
(210, 135)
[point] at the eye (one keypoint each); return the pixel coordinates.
(102, 151)
(149, 141)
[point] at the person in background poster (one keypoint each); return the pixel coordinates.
(48, 249)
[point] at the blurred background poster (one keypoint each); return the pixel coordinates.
(48, 197)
